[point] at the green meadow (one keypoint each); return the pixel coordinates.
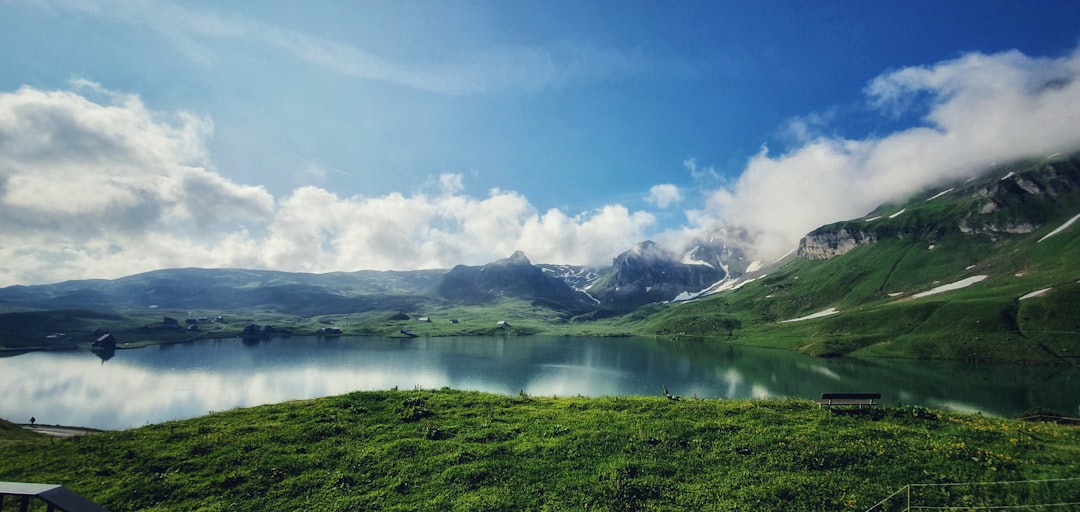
(456, 450)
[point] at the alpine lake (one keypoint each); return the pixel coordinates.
(133, 387)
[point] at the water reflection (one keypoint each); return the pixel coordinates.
(135, 387)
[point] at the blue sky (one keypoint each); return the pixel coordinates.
(318, 136)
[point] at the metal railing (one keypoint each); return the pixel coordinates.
(1045, 494)
(56, 498)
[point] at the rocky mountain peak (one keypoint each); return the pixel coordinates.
(518, 258)
(647, 251)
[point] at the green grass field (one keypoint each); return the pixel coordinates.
(453, 450)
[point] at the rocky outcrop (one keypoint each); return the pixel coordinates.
(832, 241)
(1022, 201)
(1017, 203)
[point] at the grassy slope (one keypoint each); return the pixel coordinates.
(15, 436)
(983, 322)
(451, 450)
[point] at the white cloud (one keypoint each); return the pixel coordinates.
(317, 231)
(804, 129)
(664, 195)
(70, 165)
(589, 238)
(982, 109)
(91, 189)
(700, 173)
(451, 183)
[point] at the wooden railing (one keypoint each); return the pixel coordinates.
(54, 497)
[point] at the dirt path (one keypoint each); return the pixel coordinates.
(60, 430)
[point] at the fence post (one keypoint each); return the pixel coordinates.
(908, 509)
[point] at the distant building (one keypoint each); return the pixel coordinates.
(503, 324)
(423, 319)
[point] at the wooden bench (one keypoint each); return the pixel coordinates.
(859, 399)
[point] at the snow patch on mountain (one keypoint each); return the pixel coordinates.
(897, 214)
(579, 278)
(731, 285)
(1035, 293)
(685, 296)
(939, 194)
(711, 289)
(726, 284)
(754, 266)
(1061, 228)
(963, 283)
(688, 258)
(819, 314)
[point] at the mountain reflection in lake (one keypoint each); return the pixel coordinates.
(166, 382)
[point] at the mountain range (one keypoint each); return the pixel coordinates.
(644, 274)
(998, 250)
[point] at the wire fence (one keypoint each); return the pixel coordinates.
(1050, 494)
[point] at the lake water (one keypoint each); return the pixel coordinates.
(166, 382)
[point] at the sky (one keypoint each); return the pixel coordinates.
(338, 136)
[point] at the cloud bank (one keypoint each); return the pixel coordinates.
(109, 187)
(979, 110)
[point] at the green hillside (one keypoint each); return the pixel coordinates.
(452, 450)
(875, 286)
